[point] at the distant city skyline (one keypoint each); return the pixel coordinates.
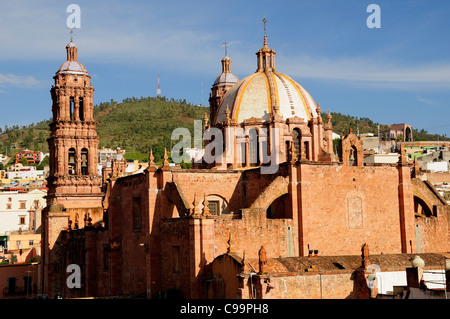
(399, 73)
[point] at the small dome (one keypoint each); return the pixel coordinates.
(226, 78)
(73, 67)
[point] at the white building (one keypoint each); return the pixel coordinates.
(18, 171)
(21, 211)
(390, 158)
(435, 167)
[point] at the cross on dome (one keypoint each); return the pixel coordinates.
(264, 20)
(225, 45)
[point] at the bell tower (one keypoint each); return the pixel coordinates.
(73, 180)
(223, 83)
(74, 187)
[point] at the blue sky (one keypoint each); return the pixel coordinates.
(399, 73)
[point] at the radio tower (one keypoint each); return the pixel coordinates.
(158, 90)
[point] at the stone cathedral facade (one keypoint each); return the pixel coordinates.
(226, 229)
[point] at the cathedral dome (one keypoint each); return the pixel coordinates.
(257, 95)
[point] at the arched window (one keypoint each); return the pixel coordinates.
(306, 146)
(84, 161)
(353, 160)
(254, 147)
(71, 161)
(296, 139)
(81, 109)
(71, 107)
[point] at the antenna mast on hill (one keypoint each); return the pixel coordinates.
(158, 90)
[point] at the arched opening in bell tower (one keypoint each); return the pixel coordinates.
(71, 161)
(84, 161)
(81, 109)
(71, 108)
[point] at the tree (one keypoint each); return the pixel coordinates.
(24, 161)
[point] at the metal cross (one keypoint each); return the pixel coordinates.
(71, 33)
(265, 21)
(225, 44)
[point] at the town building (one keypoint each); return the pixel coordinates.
(18, 171)
(105, 155)
(268, 192)
(21, 211)
(31, 156)
(399, 132)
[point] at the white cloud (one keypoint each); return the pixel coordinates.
(426, 101)
(21, 81)
(366, 72)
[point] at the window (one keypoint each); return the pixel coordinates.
(296, 139)
(23, 205)
(9, 199)
(21, 220)
(213, 207)
(254, 147)
(31, 243)
(8, 206)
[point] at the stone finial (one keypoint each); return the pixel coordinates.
(227, 112)
(262, 259)
(205, 206)
(151, 159)
(318, 109)
(195, 209)
(166, 157)
(329, 117)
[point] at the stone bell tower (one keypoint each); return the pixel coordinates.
(74, 187)
(73, 179)
(223, 83)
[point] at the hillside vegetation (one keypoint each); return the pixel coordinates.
(136, 124)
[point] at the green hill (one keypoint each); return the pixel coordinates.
(136, 124)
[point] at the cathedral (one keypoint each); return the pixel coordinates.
(274, 210)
